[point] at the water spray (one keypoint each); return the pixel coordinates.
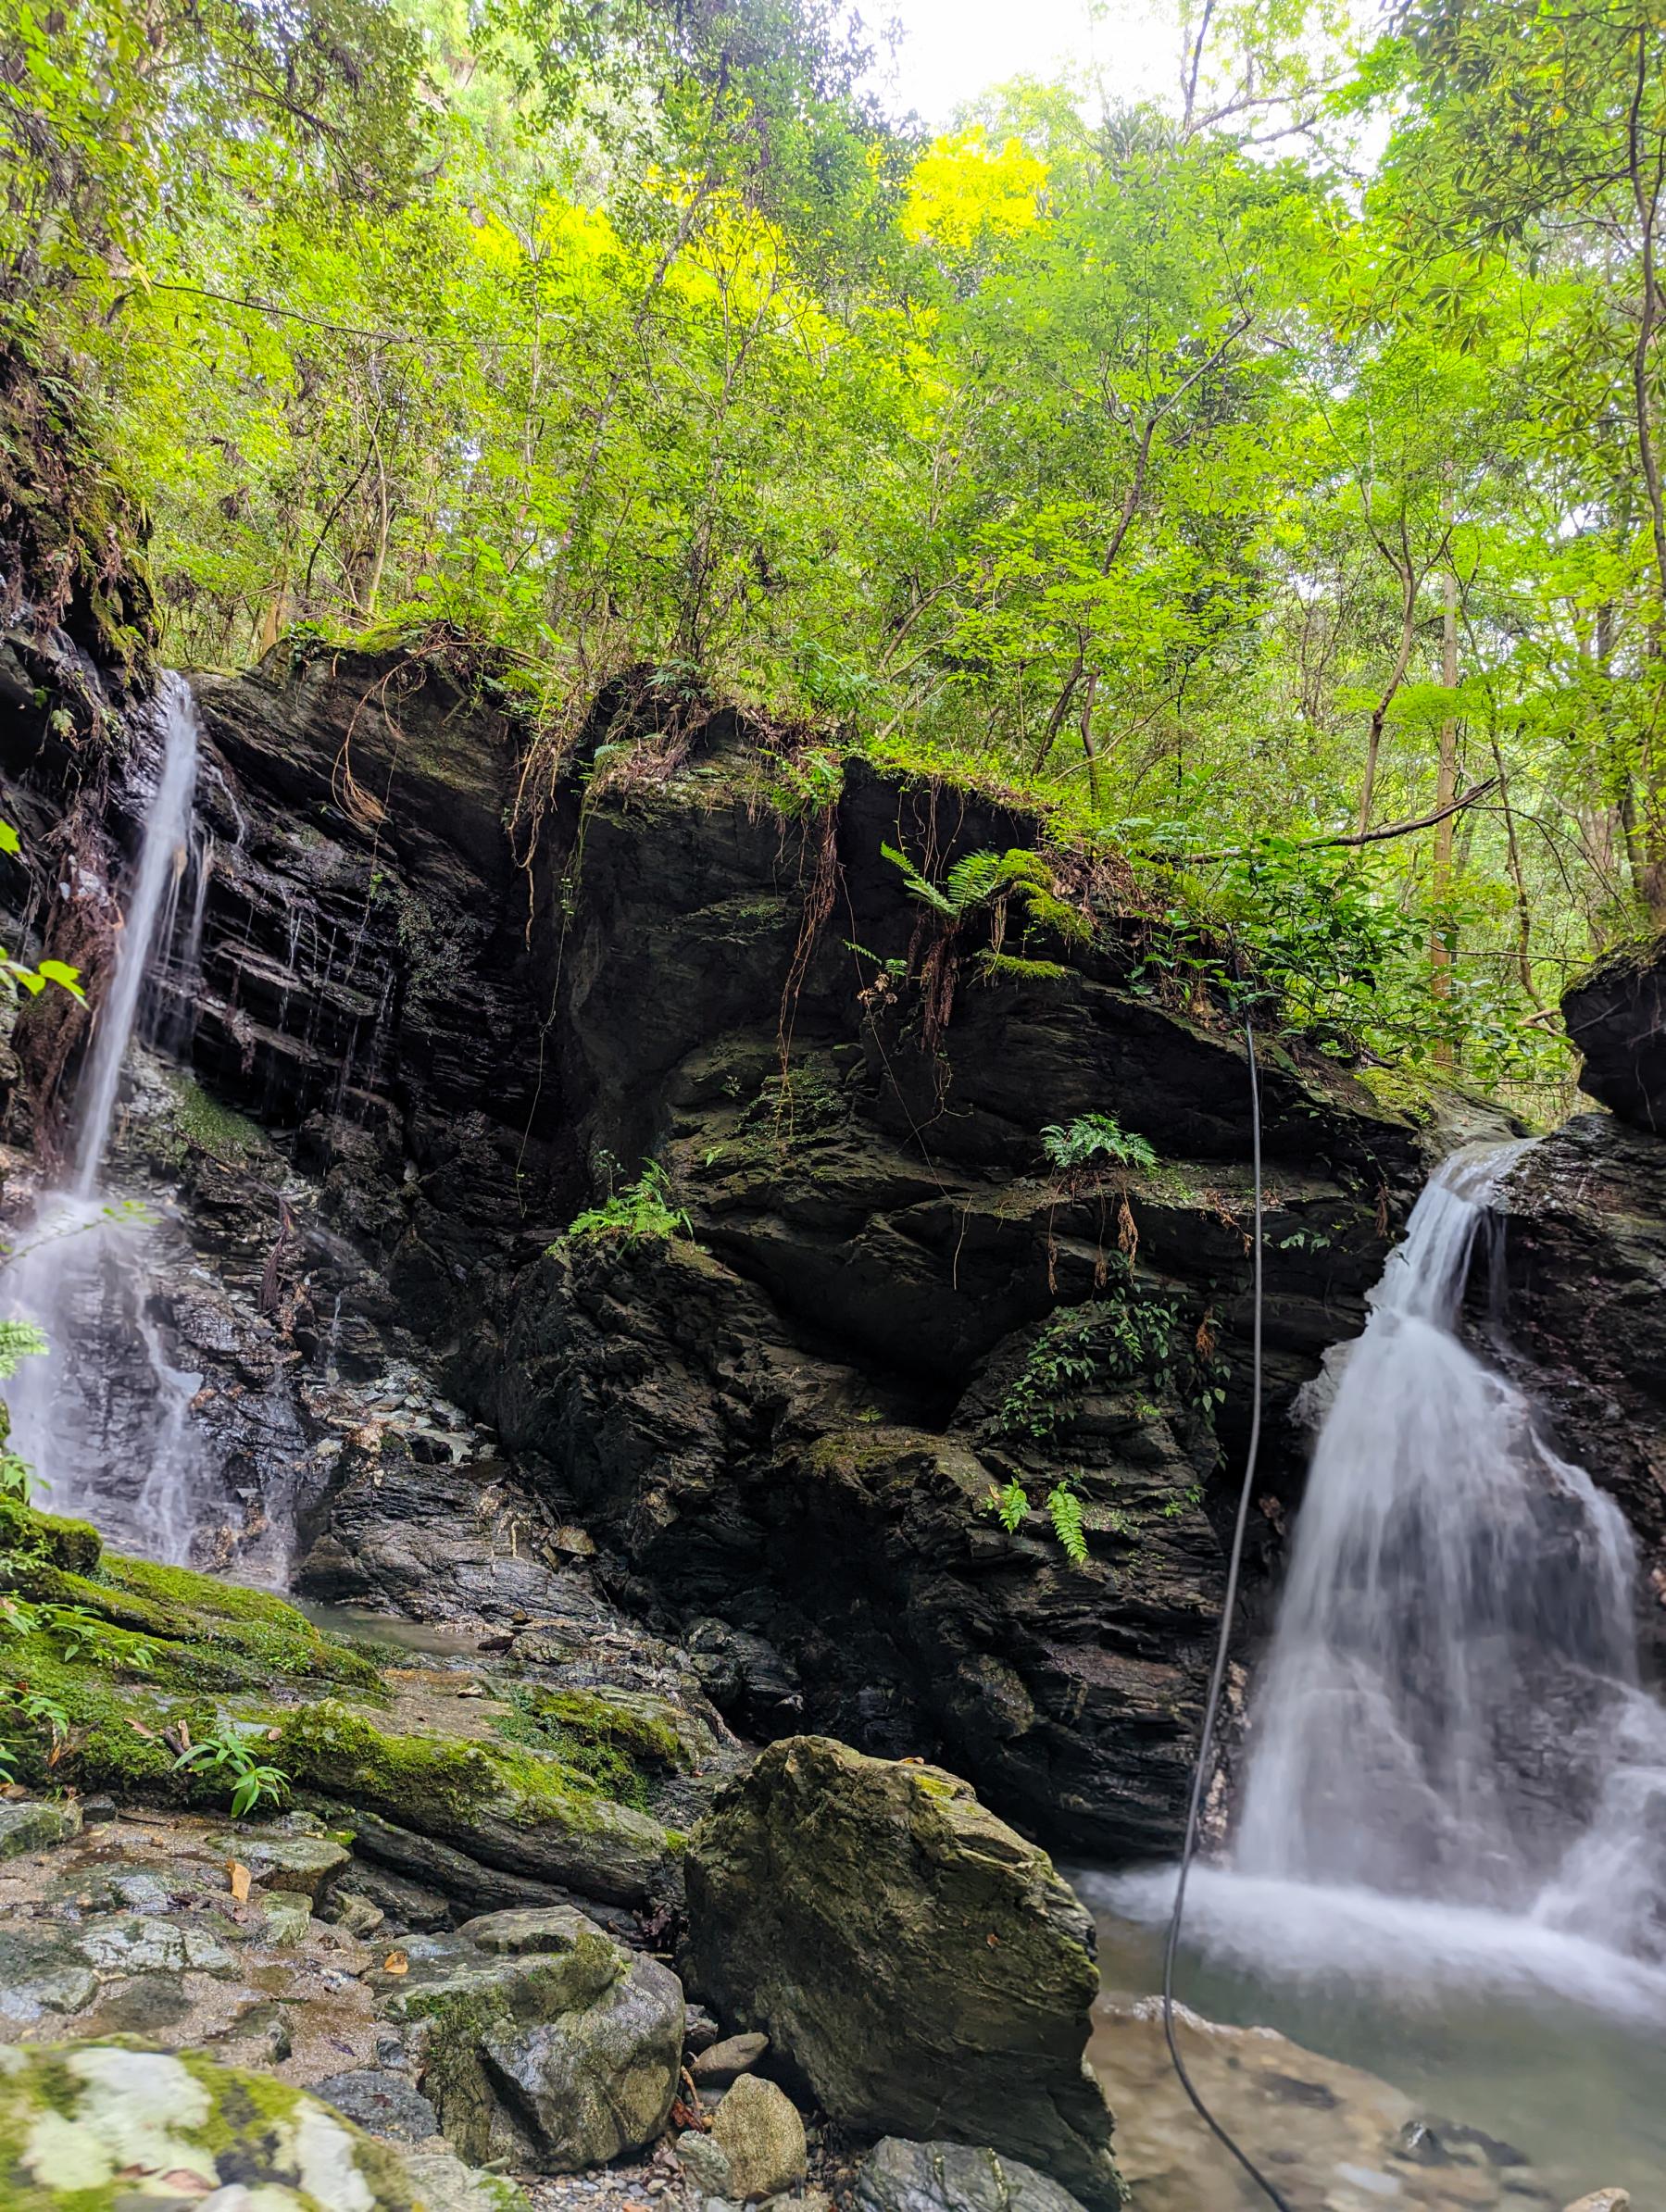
(1218, 1680)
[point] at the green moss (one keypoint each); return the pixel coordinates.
(223, 1636)
(614, 1746)
(327, 1747)
(212, 1126)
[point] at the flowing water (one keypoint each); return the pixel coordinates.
(105, 1418)
(1455, 1802)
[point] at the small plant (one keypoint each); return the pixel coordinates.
(643, 1212)
(226, 1756)
(992, 884)
(1095, 1137)
(1010, 1501)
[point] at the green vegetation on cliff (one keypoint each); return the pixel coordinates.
(1301, 537)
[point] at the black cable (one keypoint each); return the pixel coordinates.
(1218, 1680)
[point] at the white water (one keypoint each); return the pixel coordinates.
(105, 1418)
(1455, 1780)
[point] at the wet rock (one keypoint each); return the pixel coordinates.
(97, 1809)
(716, 2067)
(699, 2029)
(702, 2159)
(914, 1961)
(302, 1864)
(43, 1969)
(28, 1824)
(144, 1944)
(359, 1916)
(762, 2137)
(950, 2177)
(542, 2039)
(286, 1918)
(1581, 1278)
(1616, 1016)
(383, 2104)
(76, 2118)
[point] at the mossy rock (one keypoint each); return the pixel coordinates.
(90, 2127)
(916, 1963)
(503, 1805)
(205, 1634)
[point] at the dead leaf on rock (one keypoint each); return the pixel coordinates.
(240, 1879)
(395, 1963)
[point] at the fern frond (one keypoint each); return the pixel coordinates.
(1064, 1510)
(917, 886)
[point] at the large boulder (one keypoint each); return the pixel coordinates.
(108, 2123)
(540, 2038)
(1616, 1016)
(950, 2177)
(917, 1965)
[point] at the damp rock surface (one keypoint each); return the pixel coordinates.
(913, 1961)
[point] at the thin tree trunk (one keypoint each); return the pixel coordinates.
(1446, 786)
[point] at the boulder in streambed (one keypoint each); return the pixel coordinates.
(1604, 2200)
(94, 2123)
(948, 2177)
(919, 1967)
(539, 2039)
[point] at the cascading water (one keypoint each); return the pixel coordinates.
(1455, 1775)
(105, 1418)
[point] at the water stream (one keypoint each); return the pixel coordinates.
(1455, 1799)
(105, 1418)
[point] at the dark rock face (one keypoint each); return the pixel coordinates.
(957, 2006)
(784, 1430)
(1584, 1306)
(1616, 1015)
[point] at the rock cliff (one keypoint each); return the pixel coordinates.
(783, 1427)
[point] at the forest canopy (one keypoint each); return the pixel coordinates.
(1247, 474)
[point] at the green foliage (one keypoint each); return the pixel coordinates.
(643, 1212)
(1130, 1335)
(228, 1759)
(19, 1340)
(1142, 461)
(1091, 1137)
(990, 884)
(1010, 1503)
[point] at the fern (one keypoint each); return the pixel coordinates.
(1009, 1504)
(1096, 1136)
(19, 1340)
(1064, 1510)
(642, 1213)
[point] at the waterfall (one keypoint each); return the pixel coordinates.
(1454, 1771)
(104, 1418)
(163, 849)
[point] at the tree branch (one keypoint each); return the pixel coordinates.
(1316, 844)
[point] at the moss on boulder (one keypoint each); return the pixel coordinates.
(506, 1805)
(921, 1967)
(90, 2127)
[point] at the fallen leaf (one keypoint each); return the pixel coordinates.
(395, 1963)
(240, 1879)
(139, 1729)
(994, 1942)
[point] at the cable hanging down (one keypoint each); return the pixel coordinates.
(1217, 1681)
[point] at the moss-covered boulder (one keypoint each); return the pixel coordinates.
(511, 1807)
(921, 1968)
(541, 2040)
(90, 2127)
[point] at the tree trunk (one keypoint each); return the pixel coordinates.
(1445, 790)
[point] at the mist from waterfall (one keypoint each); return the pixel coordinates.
(105, 1418)
(1455, 1775)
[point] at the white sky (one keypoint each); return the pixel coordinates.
(955, 48)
